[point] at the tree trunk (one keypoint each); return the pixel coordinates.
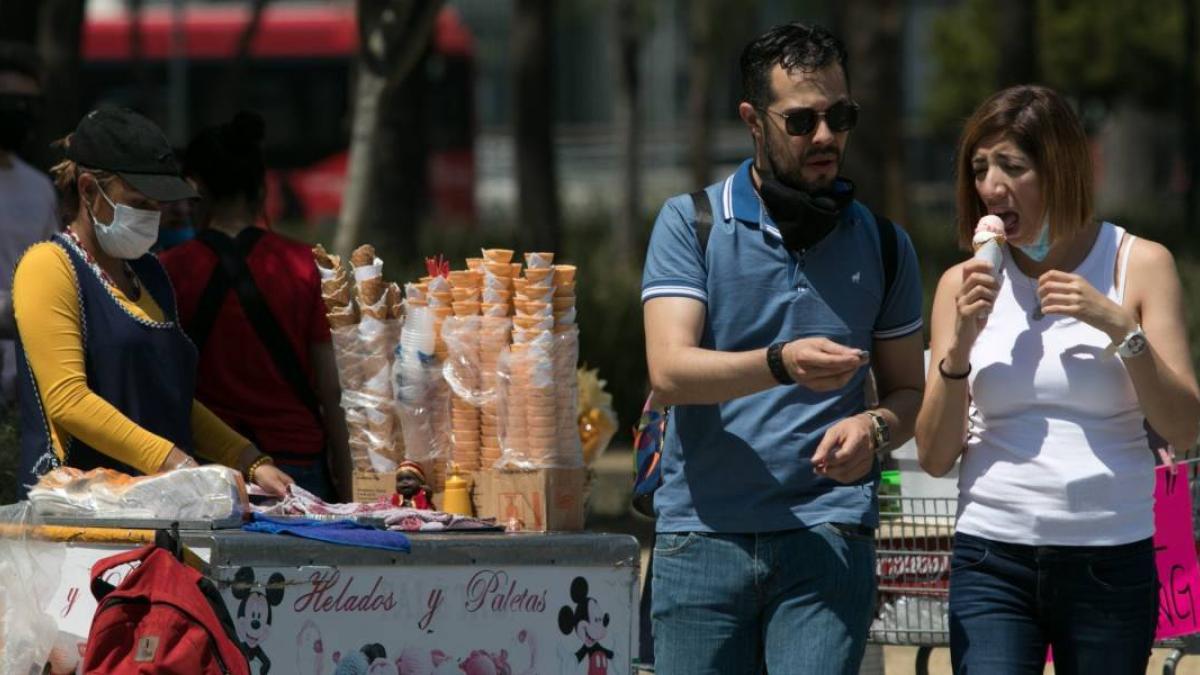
(60, 30)
(1187, 111)
(394, 37)
(235, 78)
(629, 129)
(537, 190)
(701, 47)
(875, 153)
(1018, 43)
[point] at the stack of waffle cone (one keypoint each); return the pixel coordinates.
(337, 289)
(494, 335)
(496, 289)
(531, 396)
(566, 355)
(464, 415)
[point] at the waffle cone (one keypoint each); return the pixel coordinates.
(363, 256)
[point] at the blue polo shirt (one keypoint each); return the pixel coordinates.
(745, 465)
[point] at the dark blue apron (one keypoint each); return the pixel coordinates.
(145, 369)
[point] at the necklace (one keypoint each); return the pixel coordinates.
(91, 261)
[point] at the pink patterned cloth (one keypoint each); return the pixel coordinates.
(301, 502)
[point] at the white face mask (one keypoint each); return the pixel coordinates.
(130, 234)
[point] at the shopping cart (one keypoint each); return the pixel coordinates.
(913, 546)
(912, 563)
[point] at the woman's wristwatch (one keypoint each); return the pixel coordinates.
(1133, 345)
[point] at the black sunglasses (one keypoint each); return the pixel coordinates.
(841, 116)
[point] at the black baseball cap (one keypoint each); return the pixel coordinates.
(123, 142)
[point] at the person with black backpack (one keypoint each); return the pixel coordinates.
(250, 299)
(766, 298)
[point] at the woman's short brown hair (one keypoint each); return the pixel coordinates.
(1042, 124)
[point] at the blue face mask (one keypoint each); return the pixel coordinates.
(1038, 250)
(170, 238)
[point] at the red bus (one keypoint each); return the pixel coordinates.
(299, 77)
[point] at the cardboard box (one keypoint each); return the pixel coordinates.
(541, 500)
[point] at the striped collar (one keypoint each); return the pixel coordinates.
(740, 200)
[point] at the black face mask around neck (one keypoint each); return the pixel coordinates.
(805, 218)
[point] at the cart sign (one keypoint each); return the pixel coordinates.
(431, 620)
(1175, 550)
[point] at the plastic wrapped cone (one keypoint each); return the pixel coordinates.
(539, 260)
(466, 294)
(539, 275)
(564, 274)
(498, 255)
(363, 255)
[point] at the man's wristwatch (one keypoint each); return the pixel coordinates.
(775, 362)
(881, 433)
(1133, 345)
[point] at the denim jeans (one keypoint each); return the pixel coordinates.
(798, 601)
(1096, 605)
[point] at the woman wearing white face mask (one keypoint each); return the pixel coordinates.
(108, 376)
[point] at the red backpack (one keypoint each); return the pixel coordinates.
(163, 618)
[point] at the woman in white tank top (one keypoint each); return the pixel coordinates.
(1042, 374)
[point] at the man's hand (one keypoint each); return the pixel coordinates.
(821, 364)
(846, 452)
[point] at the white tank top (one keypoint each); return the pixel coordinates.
(1056, 452)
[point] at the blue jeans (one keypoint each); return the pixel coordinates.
(798, 601)
(1096, 605)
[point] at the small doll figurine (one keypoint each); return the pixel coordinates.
(411, 491)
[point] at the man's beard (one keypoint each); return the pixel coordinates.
(789, 171)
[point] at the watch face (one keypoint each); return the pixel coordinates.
(1137, 344)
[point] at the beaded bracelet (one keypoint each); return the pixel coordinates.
(262, 459)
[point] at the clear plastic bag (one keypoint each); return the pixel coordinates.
(210, 492)
(29, 571)
(421, 394)
(538, 401)
(364, 354)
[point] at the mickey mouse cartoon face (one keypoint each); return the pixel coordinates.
(589, 623)
(254, 613)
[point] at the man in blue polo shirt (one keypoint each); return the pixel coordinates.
(760, 333)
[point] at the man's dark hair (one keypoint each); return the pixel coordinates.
(792, 46)
(17, 57)
(228, 159)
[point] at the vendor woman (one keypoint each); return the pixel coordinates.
(108, 376)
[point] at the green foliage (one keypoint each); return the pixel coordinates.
(965, 52)
(1105, 50)
(1090, 51)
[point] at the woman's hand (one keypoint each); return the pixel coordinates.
(973, 303)
(266, 475)
(1071, 295)
(272, 479)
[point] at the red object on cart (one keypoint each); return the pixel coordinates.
(158, 620)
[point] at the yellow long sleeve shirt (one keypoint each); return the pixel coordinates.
(48, 320)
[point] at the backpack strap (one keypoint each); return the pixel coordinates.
(704, 218)
(232, 273)
(887, 252)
